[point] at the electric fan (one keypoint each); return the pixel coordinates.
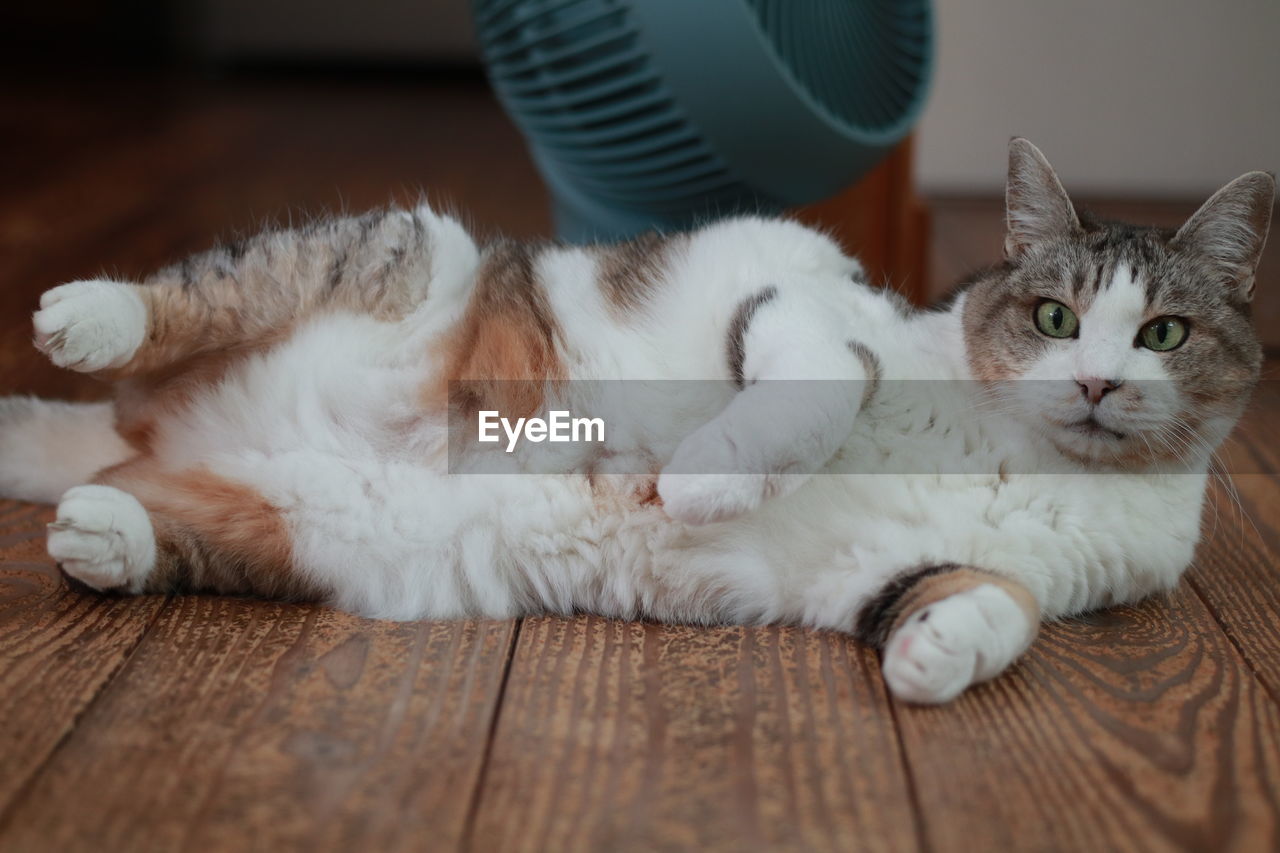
(657, 113)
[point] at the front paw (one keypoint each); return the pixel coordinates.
(90, 325)
(714, 476)
(706, 498)
(963, 639)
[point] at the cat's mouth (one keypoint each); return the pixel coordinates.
(1091, 426)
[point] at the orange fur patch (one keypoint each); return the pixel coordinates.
(934, 588)
(502, 354)
(212, 533)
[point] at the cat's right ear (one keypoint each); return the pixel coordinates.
(1036, 206)
(1230, 228)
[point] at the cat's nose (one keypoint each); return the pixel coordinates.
(1094, 389)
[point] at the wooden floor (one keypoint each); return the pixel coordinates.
(214, 723)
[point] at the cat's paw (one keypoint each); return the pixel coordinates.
(712, 478)
(103, 537)
(90, 325)
(707, 498)
(961, 640)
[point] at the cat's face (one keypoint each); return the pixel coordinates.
(1137, 341)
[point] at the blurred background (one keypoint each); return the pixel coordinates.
(136, 130)
(1166, 98)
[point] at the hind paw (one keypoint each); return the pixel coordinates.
(103, 537)
(90, 325)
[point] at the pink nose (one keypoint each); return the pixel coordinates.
(1095, 389)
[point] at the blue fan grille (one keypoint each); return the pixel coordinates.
(583, 89)
(614, 99)
(881, 44)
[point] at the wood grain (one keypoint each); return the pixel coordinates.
(242, 724)
(58, 647)
(1237, 572)
(1138, 728)
(622, 736)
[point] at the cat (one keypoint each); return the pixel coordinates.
(285, 417)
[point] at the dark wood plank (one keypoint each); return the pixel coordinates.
(623, 736)
(204, 160)
(242, 724)
(79, 225)
(57, 647)
(1138, 728)
(1237, 572)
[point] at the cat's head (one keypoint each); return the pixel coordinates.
(1139, 339)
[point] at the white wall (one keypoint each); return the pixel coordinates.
(1157, 97)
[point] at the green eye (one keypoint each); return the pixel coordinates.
(1163, 334)
(1056, 320)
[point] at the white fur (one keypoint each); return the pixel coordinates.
(103, 537)
(328, 426)
(48, 447)
(90, 325)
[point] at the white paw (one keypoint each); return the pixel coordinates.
(90, 325)
(961, 640)
(713, 477)
(103, 537)
(706, 498)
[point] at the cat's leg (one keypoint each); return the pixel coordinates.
(389, 541)
(944, 628)
(252, 292)
(803, 380)
(144, 529)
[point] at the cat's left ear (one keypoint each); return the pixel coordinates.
(1230, 228)
(1037, 208)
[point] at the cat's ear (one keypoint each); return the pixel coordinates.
(1231, 228)
(1036, 206)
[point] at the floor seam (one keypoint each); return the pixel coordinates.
(922, 837)
(1249, 666)
(473, 807)
(28, 784)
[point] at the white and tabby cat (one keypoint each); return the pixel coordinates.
(283, 410)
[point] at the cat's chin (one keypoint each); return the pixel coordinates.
(1099, 443)
(1093, 439)
(1093, 444)
(1093, 427)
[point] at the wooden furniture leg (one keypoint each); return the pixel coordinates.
(883, 222)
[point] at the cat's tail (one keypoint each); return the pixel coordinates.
(47, 447)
